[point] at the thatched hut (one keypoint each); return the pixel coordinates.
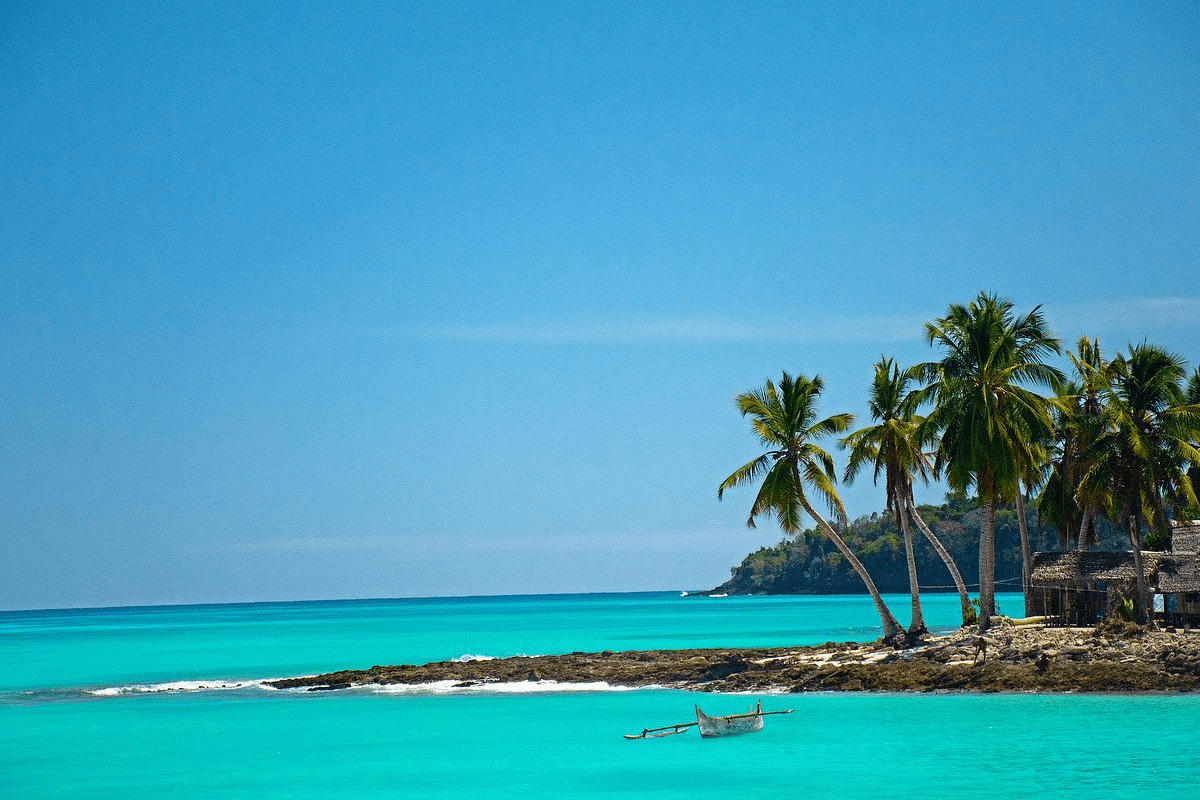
(1179, 574)
(1079, 588)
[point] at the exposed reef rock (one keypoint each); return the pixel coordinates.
(1009, 658)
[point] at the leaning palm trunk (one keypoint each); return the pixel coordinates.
(917, 626)
(947, 559)
(893, 632)
(987, 565)
(1026, 551)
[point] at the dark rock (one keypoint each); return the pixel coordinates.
(1152, 661)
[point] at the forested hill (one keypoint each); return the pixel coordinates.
(810, 564)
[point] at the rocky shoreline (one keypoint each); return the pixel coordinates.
(1115, 657)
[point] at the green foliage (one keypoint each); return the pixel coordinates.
(784, 418)
(1125, 611)
(958, 501)
(1158, 540)
(977, 608)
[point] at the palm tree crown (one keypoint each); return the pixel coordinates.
(785, 421)
(892, 445)
(989, 421)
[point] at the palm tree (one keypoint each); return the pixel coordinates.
(1144, 454)
(785, 421)
(1071, 507)
(892, 446)
(989, 423)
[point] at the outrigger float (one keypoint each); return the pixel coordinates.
(712, 727)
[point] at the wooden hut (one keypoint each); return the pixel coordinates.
(1079, 588)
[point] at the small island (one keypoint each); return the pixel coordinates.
(1011, 656)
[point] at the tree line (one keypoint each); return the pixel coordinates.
(1117, 440)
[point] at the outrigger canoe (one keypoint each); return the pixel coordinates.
(711, 727)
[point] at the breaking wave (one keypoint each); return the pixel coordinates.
(177, 687)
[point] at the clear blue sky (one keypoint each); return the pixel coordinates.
(397, 299)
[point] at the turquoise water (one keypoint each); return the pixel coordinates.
(82, 713)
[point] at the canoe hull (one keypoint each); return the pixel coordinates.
(733, 725)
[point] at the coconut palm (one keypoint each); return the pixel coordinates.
(1064, 502)
(785, 420)
(990, 424)
(891, 446)
(1143, 455)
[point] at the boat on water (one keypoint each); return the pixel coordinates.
(712, 727)
(731, 725)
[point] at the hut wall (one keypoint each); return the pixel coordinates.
(1188, 604)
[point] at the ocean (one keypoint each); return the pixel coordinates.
(166, 702)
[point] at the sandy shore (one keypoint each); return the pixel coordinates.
(1008, 658)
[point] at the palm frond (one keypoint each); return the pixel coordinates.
(746, 473)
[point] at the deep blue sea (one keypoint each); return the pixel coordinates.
(166, 703)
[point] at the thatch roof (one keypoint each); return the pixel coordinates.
(1074, 568)
(1179, 573)
(1185, 538)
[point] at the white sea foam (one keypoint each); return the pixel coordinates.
(497, 687)
(176, 686)
(465, 657)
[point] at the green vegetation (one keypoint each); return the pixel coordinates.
(1116, 448)
(1126, 449)
(807, 564)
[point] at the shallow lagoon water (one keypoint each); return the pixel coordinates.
(58, 739)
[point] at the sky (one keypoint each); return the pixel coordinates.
(342, 300)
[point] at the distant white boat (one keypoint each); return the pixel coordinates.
(683, 594)
(718, 595)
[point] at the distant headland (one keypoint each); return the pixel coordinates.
(809, 564)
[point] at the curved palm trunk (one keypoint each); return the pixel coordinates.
(987, 565)
(917, 626)
(892, 630)
(947, 559)
(1026, 551)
